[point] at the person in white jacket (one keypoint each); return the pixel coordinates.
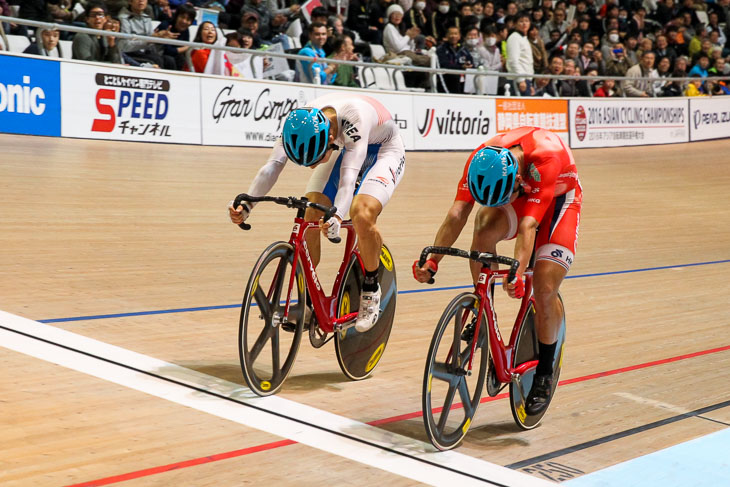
(402, 44)
(519, 52)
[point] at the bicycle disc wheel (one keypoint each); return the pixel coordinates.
(525, 350)
(266, 348)
(359, 353)
(451, 396)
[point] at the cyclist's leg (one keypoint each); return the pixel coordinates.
(491, 225)
(377, 187)
(321, 188)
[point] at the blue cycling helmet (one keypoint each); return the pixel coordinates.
(491, 176)
(306, 135)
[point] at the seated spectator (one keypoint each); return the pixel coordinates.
(87, 47)
(662, 49)
(586, 87)
(558, 22)
(135, 20)
(320, 14)
(250, 22)
(416, 16)
(700, 68)
(60, 11)
(607, 89)
(556, 43)
(568, 87)
(358, 19)
(542, 87)
(46, 43)
(630, 46)
(572, 52)
(617, 64)
(609, 41)
(327, 72)
(525, 89)
(641, 88)
(663, 71)
(539, 54)
(179, 24)
(556, 67)
(720, 68)
(5, 11)
(452, 55)
(585, 58)
(344, 49)
(399, 41)
(264, 15)
(694, 88)
(207, 34)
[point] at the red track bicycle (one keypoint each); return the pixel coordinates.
(467, 350)
(274, 305)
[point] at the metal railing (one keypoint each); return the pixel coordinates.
(409, 68)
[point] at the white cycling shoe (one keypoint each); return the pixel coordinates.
(369, 310)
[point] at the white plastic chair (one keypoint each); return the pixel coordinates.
(17, 43)
(295, 29)
(67, 48)
(383, 79)
(400, 82)
(377, 51)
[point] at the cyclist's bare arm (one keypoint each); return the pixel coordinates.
(524, 243)
(447, 234)
(262, 183)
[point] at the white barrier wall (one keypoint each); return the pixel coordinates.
(102, 101)
(709, 118)
(617, 122)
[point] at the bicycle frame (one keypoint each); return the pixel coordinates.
(502, 354)
(325, 307)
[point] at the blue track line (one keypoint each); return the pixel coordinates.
(409, 291)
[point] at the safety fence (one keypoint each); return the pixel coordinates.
(69, 98)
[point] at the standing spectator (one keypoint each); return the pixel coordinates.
(519, 52)
(313, 48)
(207, 34)
(87, 47)
(441, 20)
(135, 20)
(492, 58)
(46, 43)
(180, 24)
(539, 54)
(644, 69)
(453, 56)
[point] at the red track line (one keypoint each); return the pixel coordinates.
(377, 422)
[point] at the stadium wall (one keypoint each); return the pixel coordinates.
(66, 98)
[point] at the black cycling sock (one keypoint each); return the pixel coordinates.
(546, 353)
(370, 285)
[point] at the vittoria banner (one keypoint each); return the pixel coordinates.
(452, 123)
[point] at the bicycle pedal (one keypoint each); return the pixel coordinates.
(468, 333)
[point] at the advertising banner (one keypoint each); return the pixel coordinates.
(452, 123)
(30, 96)
(103, 102)
(545, 113)
(247, 113)
(399, 106)
(620, 122)
(709, 118)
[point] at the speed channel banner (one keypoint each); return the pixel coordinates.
(623, 122)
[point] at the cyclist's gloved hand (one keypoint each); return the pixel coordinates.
(331, 228)
(516, 288)
(240, 214)
(425, 273)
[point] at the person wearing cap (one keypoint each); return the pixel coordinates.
(250, 23)
(401, 41)
(263, 14)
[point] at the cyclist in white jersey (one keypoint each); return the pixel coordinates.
(360, 179)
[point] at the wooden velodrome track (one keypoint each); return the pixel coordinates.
(135, 240)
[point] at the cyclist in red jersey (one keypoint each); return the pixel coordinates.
(528, 184)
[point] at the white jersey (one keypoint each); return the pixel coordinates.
(361, 121)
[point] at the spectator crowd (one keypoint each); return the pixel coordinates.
(635, 39)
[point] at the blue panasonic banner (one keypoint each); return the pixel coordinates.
(30, 96)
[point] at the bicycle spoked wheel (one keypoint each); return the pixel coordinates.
(267, 345)
(450, 395)
(358, 353)
(526, 349)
